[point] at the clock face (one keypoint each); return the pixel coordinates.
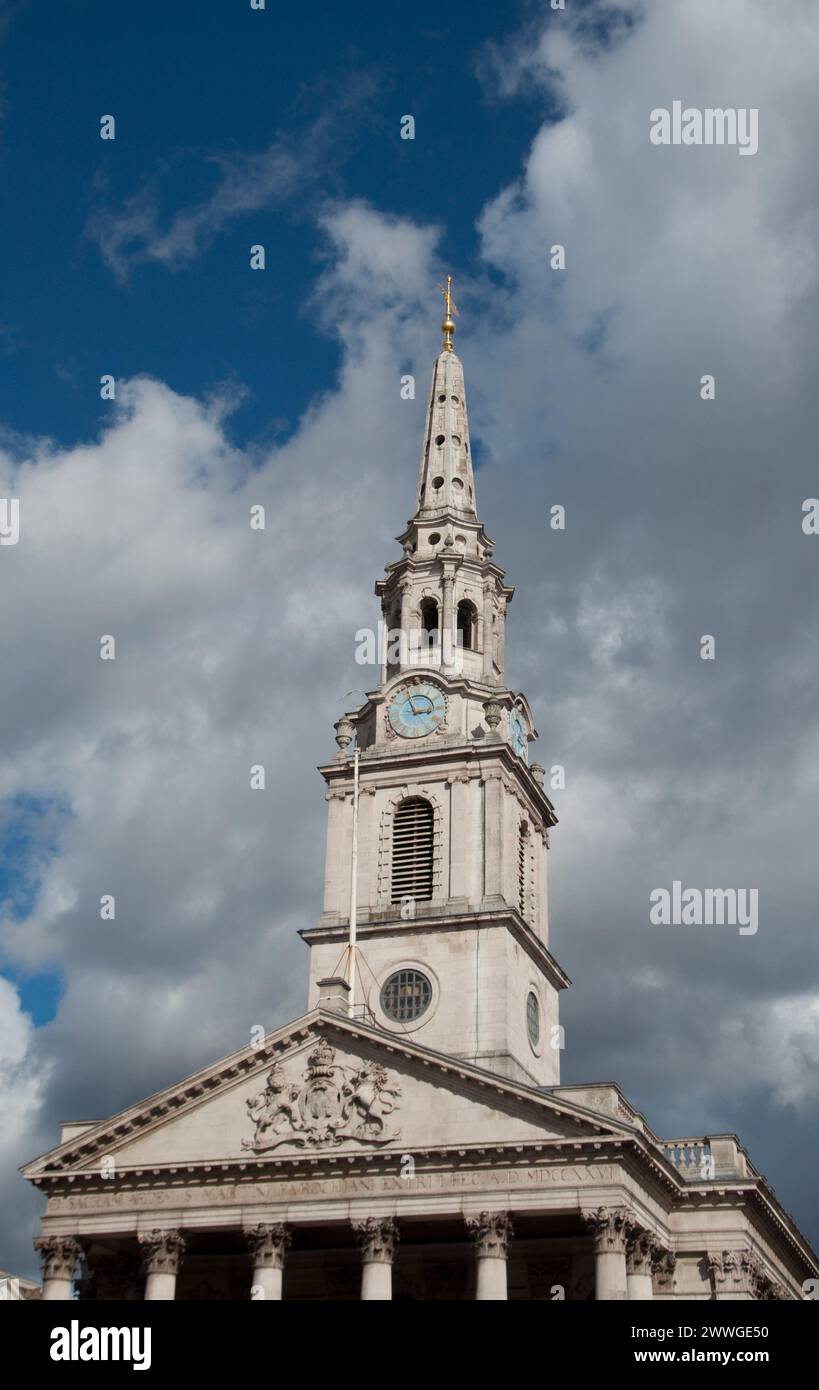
(417, 710)
(517, 728)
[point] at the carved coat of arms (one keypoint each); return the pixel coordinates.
(329, 1104)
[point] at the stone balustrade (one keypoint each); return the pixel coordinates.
(709, 1156)
(692, 1158)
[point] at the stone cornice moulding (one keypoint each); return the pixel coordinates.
(506, 916)
(546, 1152)
(476, 751)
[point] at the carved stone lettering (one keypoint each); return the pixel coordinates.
(287, 1190)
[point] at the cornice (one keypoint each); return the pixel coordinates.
(442, 754)
(755, 1192)
(561, 1152)
(506, 916)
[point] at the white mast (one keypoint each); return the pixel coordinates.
(353, 888)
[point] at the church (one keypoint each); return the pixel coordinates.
(409, 1137)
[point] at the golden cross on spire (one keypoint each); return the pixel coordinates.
(450, 308)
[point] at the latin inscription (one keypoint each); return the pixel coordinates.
(382, 1185)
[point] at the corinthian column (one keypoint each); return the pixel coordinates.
(378, 1240)
(734, 1274)
(162, 1253)
(269, 1245)
(59, 1255)
(491, 1232)
(610, 1229)
(641, 1250)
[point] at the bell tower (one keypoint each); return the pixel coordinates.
(432, 781)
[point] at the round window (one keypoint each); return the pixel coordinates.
(533, 1018)
(406, 995)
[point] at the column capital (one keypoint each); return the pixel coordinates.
(610, 1227)
(269, 1244)
(492, 1233)
(642, 1248)
(59, 1255)
(162, 1251)
(739, 1274)
(378, 1238)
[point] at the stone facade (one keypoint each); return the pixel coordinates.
(408, 1137)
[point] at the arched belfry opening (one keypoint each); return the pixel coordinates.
(429, 621)
(467, 619)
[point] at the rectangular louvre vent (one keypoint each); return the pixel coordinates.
(412, 851)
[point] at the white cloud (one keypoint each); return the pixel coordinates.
(23, 1078)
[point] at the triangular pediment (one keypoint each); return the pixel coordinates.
(323, 1086)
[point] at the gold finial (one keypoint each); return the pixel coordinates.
(450, 308)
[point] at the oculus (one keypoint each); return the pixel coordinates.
(533, 1018)
(406, 995)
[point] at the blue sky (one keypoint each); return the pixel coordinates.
(191, 85)
(281, 127)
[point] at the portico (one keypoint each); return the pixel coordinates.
(563, 1194)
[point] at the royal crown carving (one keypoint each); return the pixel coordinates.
(328, 1104)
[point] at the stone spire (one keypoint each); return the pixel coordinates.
(446, 482)
(445, 597)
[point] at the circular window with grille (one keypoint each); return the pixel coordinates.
(533, 1018)
(406, 995)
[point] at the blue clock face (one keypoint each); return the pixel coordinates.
(417, 710)
(517, 728)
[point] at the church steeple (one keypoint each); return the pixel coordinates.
(450, 824)
(446, 596)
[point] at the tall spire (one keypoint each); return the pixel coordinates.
(446, 482)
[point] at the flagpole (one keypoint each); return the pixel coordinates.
(353, 889)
